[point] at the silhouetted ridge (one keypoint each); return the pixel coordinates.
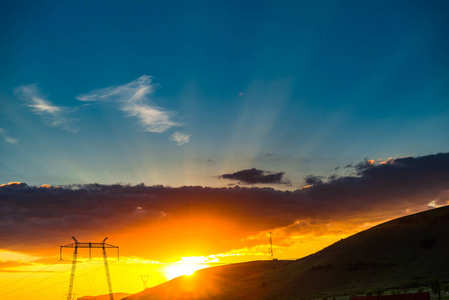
(401, 253)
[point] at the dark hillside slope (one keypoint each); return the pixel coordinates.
(397, 254)
(212, 283)
(104, 297)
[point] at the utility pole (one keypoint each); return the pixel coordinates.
(89, 245)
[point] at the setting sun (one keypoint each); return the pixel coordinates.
(186, 266)
(179, 269)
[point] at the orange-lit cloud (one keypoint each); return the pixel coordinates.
(11, 183)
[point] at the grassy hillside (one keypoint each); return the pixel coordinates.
(402, 253)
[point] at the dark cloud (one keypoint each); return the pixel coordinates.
(32, 216)
(310, 180)
(332, 177)
(254, 176)
(365, 164)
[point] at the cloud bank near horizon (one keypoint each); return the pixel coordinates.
(33, 215)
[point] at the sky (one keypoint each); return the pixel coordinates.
(188, 131)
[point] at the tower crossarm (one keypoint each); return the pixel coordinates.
(88, 245)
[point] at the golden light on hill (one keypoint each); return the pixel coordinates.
(174, 270)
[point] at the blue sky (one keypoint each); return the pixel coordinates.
(179, 93)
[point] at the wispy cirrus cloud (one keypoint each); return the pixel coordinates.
(53, 115)
(180, 138)
(7, 138)
(133, 99)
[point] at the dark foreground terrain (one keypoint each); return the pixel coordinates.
(117, 296)
(403, 253)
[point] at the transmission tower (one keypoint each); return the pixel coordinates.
(89, 245)
(271, 248)
(65, 296)
(144, 280)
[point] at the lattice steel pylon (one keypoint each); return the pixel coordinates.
(144, 280)
(89, 245)
(271, 248)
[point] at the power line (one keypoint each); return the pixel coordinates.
(62, 282)
(34, 283)
(26, 276)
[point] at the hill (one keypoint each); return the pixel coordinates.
(104, 297)
(402, 253)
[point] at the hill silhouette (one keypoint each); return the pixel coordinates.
(104, 297)
(402, 253)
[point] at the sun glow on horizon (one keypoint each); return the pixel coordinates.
(186, 266)
(180, 269)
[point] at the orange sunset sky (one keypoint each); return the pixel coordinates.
(190, 132)
(166, 232)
